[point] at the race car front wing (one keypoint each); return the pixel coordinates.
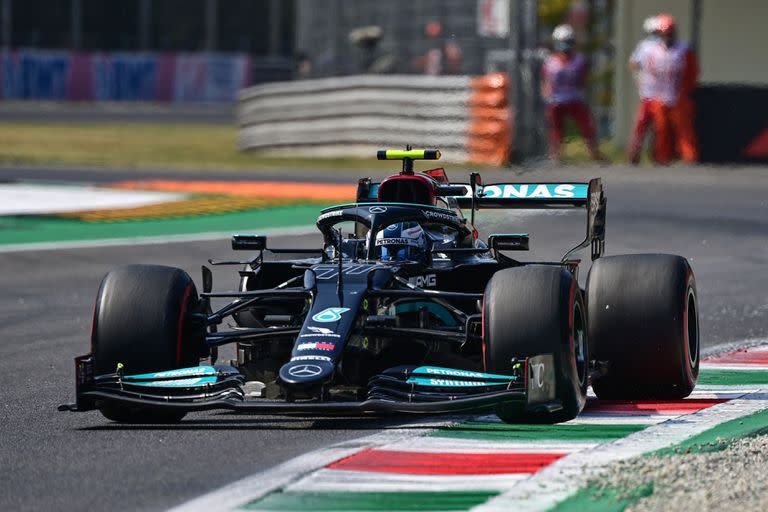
(400, 390)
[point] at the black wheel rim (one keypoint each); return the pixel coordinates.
(579, 335)
(692, 328)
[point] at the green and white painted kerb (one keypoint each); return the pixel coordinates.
(482, 464)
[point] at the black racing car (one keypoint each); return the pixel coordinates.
(403, 309)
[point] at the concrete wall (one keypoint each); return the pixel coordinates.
(733, 43)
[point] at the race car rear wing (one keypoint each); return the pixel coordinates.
(545, 195)
(548, 195)
(525, 195)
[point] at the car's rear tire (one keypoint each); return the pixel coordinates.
(142, 320)
(533, 310)
(643, 322)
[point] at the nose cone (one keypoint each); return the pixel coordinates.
(306, 373)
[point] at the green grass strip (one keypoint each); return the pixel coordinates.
(369, 501)
(199, 147)
(733, 377)
(720, 436)
(591, 499)
(23, 230)
(508, 432)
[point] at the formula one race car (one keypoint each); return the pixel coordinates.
(403, 309)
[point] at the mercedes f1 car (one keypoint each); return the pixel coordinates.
(407, 311)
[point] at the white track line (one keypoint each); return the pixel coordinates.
(453, 445)
(733, 389)
(332, 480)
(38, 199)
(718, 391)
(601, 418)
(606, 418)
(741, 367)
(150, 240)
(555, 483)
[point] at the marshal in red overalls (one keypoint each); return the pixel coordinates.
(673, 68)
(562, 88)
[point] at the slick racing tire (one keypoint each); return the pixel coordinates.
(142, 320)
(643, 326)
(534, 310)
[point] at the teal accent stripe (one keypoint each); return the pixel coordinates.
(187, 373)
(176, 383)
(446, 373)
(451, 382)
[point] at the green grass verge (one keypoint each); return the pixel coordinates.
(25, 230)
(574, 152)
(610, 500)
(732, 377)
(369, 501)
(517, 433)
(149, 145)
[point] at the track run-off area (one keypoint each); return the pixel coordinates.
(717, 218)
(483, 464)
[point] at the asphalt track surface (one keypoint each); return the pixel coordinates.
(718, 218)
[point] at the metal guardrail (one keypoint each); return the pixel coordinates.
(357, 114)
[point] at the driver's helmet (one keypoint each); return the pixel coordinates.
(404, 241)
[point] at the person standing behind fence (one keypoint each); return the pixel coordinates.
(442, 58)
(562, 88)
(645, 88)
(674, 69)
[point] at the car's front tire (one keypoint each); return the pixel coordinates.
(142, 320)
(534, 310)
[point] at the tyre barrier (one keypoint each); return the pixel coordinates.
(465, 117)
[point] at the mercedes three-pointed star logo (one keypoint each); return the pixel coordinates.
(305, 370)
(377, 209)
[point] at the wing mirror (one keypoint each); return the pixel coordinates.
(452, 190)
(509, 242)
(249, 242)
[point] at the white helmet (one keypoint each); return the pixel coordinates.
(563, 33)
(650, 25)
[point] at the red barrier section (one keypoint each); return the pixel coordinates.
(753, 356)
(490, 130)
(644, 407)
(416, 463)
